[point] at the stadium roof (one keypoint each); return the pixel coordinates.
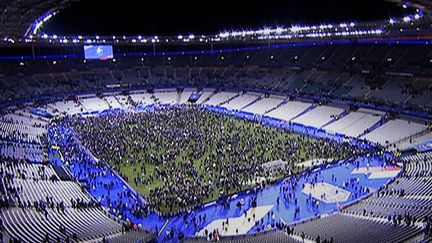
(17, 17)
(21, 19)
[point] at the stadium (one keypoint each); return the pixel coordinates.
(317, 132)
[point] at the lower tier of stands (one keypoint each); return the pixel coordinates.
(385, 206)
(136, 236)
(81, 224)
(266, 237)
(348, 228)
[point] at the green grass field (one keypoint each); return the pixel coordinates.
(192, 156)
(132, 170)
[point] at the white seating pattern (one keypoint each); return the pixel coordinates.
(353, 124)
(142, 98)
(393, 131)
(184, 96)
(219, 98)
(289, 110)
(31, 152)
(60, 191)
(240, 101)
(94, 104)
(204, 95)
(262, 106)
(31, 171)
(113, 102)
(70, 107)
(318, 116)
(32, 226)
(21, 132)
(166, 97)
(407, 144)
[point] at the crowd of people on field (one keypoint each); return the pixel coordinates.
(188, 155)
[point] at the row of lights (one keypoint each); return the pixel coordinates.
(408, 18)
(37, 25)
(222, 58)
(296, 31)
(155, 39)
(282, 30)
(326, 34)
(267, 33)
(117, 39)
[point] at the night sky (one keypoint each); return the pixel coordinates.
(133, 17)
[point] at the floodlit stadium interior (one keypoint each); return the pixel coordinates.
(288, 133)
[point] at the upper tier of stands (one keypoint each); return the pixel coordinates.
(393, 74)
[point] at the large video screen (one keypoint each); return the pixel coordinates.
(101, 52)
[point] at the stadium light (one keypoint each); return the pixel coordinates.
(40, 22)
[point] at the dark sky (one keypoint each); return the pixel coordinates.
(130, 17)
